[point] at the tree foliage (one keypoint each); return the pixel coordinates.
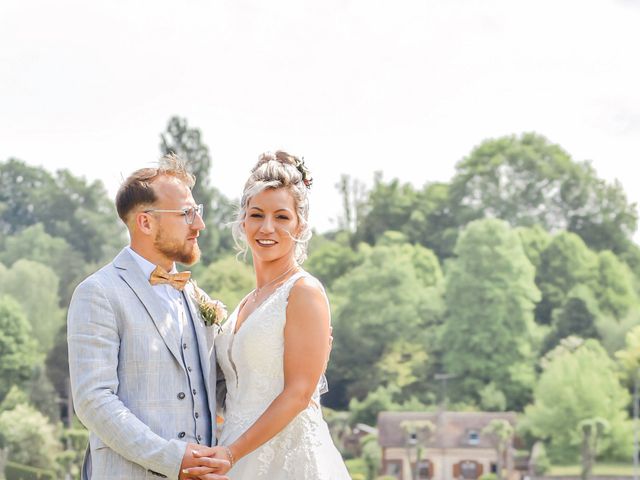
(489, 334)
(67, 206)
(17, 348)
(578, 382)
(186, 141)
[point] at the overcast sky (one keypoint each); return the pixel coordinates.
(355, 86)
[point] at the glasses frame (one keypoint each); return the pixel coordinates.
(189, 217)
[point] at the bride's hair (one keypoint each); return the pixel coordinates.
(277, 170)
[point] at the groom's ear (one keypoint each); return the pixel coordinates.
(143, 223)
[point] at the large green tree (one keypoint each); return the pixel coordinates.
(35, 287)
(391, 300)
(17, 349)
(527, 180)
(490, 335)
(566, 263)
(579, 383)
(34, 243)
(187, 142)
(67, 206)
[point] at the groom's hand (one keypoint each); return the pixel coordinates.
(212, 463)
(201, 457)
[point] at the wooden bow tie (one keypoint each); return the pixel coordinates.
(176, 280)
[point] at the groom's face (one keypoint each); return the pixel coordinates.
(174, 238)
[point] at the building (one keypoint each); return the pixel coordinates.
(446, 445)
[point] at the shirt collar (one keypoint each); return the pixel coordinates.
(145, 265)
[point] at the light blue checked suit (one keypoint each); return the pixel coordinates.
(128, 378)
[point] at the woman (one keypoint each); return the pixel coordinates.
(273, 348)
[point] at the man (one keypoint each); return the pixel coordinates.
(139, 352)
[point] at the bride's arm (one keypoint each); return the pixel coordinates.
(306, 341)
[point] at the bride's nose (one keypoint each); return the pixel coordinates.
(267, 225)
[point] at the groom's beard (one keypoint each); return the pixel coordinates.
(179, 251)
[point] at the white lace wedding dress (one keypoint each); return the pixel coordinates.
(252, 362)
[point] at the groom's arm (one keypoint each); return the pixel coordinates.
(94, 343)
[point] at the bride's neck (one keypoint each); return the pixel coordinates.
(268, 271)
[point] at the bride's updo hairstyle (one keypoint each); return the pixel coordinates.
(278, 170)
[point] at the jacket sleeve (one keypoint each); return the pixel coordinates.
(94, 342)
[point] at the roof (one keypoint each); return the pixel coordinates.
(451, 428)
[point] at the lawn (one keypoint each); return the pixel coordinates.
(599, 469)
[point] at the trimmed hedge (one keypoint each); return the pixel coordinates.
(15, 471)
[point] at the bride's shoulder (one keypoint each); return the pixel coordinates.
(307, 287)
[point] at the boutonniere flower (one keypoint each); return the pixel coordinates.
(213, 312)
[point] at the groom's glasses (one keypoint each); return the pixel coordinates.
(188, 212)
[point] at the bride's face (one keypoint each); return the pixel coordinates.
(271, 224)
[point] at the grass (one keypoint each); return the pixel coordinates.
(598, 469)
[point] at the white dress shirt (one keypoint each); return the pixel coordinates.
(172, 297)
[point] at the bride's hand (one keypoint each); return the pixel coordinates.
(208, 468)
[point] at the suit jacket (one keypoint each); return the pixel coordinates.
(127, 376)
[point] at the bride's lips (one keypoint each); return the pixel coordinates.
(265, 242)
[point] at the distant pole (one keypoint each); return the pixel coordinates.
(443, 377)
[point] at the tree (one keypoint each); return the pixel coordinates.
(501, 433)
(432, 221)
(578, 382)
(615, 286)
(187, 142)
(354, 199)
(417, 434)
(579, 315)
(388, 208)
(227, 280)
(564, 264)
(67, 206)
(17, 348)
(332, 260)
(489, 332)
(34, 243)
(395, 294)
(592, 430)
(527, 180)
(39, 299)
(31, 439)
(534, 240)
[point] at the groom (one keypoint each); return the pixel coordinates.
(139, 353)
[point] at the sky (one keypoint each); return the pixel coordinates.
(407, 87)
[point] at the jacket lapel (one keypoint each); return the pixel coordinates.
(133, 276)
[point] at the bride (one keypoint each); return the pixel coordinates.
(273, 348)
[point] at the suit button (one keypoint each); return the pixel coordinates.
(181, 435)
(181, 395)
(194, 391)
(199, 437)
(197, 415)
(189, 368)
(184, 346)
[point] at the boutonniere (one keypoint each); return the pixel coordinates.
(213, 312)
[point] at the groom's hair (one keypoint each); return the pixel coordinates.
(137, 189)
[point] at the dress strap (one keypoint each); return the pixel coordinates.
(288, 285)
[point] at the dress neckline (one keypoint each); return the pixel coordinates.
(234, 332)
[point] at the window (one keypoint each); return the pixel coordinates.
(473, 437)
(424, 472)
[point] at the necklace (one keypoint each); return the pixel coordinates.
(257, 290)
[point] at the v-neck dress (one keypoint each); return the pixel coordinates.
(252, 362)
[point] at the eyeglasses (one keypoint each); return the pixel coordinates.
(188, 212)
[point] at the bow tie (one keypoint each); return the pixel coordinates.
(176, 280)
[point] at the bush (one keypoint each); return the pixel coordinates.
(15, 471)
(29, 437)
(489, 476)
